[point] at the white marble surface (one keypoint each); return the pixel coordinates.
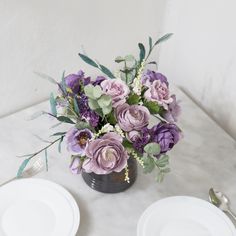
(205, 157)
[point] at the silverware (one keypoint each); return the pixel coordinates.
(220, 200)
(36, 167)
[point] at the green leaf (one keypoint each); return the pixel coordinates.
(133, 99)
(150, 43)
(65, 119)
(46, 158)
(62, 85)
(76, 107)
(59, 144)
(82, 125)
(53, 104)
(142, 52)
(104, 101)
(149, 164)
(160, 177)
(46, 77)
(88, 60)
(127, 144)
(22, 167)
(88, 90)
(106, 110)
(153, 107)
(163, 38)
(111, 118)
(119, 59)
(106, 71)
(59, 134)
(152, 62)
(162, 161)
(97, 91)
(93, 104)
(152, 148)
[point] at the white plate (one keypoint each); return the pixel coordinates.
(184, 216)
(37, 207)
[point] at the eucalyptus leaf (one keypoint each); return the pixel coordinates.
(106, 110)
(104, 101)
(93, 104)
(152, 148)
(160, 177)
(130, 58)
(106, 71)
(53, 104)
(142, 52)
(163, 38)
(22, 167)
(150, 43)
(88, 90)
(97, 91)
(65, 119)
(88, 60)
(149, 164)
(46, 77)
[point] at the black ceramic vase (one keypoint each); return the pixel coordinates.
(113, 182)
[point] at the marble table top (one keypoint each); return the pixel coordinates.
(206, 157)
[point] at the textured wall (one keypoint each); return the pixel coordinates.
(201, 56)
(47, 35)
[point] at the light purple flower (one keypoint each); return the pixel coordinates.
(159, 92)
(167, 135)
(150, 76)
(77, 140)
(76, 165)
(132, 117)
(173, 111)
(105, 155)
(98, 80)
(117, 89)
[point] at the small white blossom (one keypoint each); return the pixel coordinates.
(119, 131)
(106, 128)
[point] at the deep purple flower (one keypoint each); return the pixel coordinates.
(76, 165)
(150, 76)
(86, 113)
(98, 80)
(74, 81)
(173, 111)
(139, 138)
(167, 135)
(77, 140)
(105, 155)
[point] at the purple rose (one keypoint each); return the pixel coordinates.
(150, 76)
(173, 111)
(132, 117)
(117, 89)
(77, 140)
(159, 92)
(167, 135)
(139, 138)
(74, 81)
(105, 155)
(76, 165)
(98, 80)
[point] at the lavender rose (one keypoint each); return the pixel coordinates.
(132, 117)
(76, 165)
(150, 76)
(139, 138)
(117, 89)
(105, 155)
(167, 135)
(74, 81)
(159, 92)
(77, 140)
(173, 111)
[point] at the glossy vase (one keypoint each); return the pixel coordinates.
(113, 182)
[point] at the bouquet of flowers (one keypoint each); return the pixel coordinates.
(110, 117)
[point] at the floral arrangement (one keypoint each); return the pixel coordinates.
(110, 117)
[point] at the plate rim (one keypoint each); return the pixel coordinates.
(58, 189)
(216, 210)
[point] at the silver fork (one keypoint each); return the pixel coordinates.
(36, 167)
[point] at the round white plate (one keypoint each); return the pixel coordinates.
(37, 207)
(184, 216)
